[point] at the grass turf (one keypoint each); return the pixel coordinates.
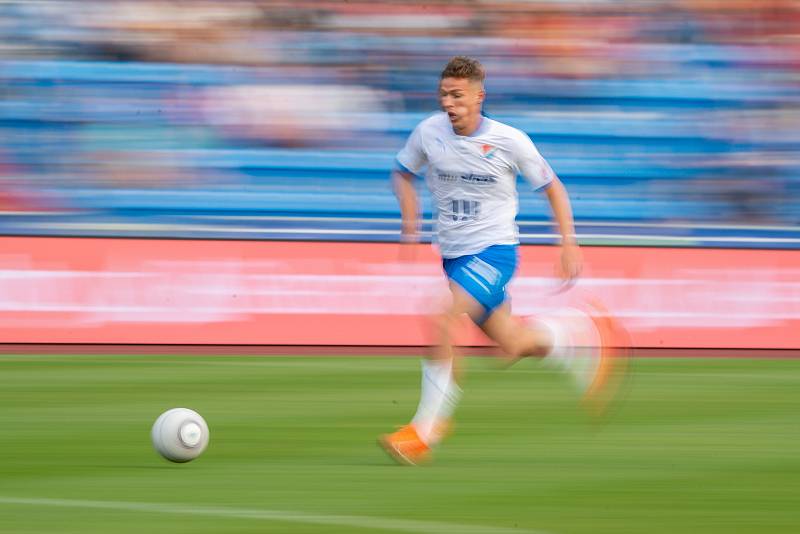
(699, 445)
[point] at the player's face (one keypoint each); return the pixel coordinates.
(461, 99)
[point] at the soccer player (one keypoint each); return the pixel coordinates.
(470, 164)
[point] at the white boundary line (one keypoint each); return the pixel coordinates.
(365, 522)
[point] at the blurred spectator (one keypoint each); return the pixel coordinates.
(689, 106)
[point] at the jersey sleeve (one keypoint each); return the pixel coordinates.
(530, 163)
(412, 157)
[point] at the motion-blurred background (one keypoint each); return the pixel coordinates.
(671, 122)
(273, 125)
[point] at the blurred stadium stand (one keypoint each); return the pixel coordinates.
(671, 122)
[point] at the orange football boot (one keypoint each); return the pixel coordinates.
(611, 368)
(405, 446)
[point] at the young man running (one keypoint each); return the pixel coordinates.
(470, 164)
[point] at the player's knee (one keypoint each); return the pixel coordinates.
(522, 343)
(530, 347)
(517, 349)
(443, 322)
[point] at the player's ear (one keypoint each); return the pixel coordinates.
(481, 95)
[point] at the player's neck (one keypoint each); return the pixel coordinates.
(473, 126)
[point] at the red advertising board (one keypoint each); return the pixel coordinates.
(112, 291)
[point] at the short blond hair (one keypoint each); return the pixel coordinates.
(464, 67)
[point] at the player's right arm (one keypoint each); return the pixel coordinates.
(411, 160)
(406, 192)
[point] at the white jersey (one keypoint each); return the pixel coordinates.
(473, 180)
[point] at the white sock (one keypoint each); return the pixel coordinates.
(560, 352)
(575, 339)
(438, 398)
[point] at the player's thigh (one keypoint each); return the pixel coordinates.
(502, 328)
(462, 302)
(449, 319)
(478, 281)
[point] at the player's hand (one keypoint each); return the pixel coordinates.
(409, 239)
(571, 263)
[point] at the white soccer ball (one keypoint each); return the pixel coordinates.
(180, 435)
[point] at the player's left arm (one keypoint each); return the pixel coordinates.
(533, 167)
(571, 258)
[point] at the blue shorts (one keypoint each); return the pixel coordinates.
(484, 275)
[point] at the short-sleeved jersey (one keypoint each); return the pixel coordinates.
(473, 180)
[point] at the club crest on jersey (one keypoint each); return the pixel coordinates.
(488, 151)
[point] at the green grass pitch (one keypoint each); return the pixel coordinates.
(698, 445)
